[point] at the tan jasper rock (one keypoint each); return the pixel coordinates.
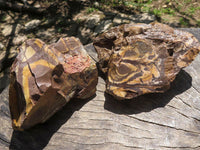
(45, 77)
(143, 58)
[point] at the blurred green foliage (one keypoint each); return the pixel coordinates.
(173, 8)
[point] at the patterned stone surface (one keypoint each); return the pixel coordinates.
(143, 58)
(45, 77)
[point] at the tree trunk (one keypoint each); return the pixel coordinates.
(156, 121)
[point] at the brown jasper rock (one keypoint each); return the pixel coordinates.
(45, 77)
(143, 58)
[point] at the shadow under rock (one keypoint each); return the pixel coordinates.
(148, 102)
(39, 136)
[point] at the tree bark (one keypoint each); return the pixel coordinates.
(156, 121)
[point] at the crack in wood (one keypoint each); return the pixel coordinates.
(180, 147)
(196, 119)
(88, 111)
(195, 89)
(111, 129)
(187, 103)
(154, 123)
(5, 114)
(132, 127)
(176, 110)
(103, 143)
(171, 106)
(4, 141)
(135, 128)
(92, 135)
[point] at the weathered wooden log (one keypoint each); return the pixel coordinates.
(45, 77)
(156, 121)
(143, 58)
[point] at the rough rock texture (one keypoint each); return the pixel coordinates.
(19, 39)
(45, 77)
(143, 58)
(32, 24)
(1, 46)
(92, 24)
(10, 29)
(140, 18)
(12, 54)
(90, 20)
(103, 26)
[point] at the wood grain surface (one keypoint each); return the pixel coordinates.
(155, 121)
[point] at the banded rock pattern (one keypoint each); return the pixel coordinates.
(143, 58)
(45, 77)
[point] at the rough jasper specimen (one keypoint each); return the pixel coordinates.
(143, 58)
(45, 77)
